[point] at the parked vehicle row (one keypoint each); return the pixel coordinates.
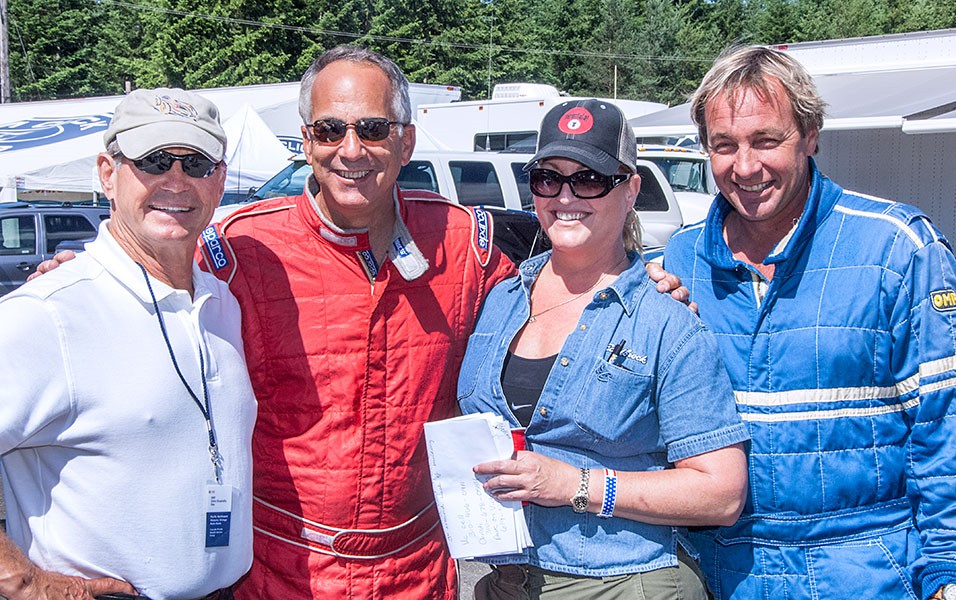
(496, 181)
(30, 234)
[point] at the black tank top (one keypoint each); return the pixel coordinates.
(522, 380)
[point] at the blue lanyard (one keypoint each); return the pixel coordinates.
(206, 410)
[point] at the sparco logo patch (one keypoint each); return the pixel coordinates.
(943, 300)
(481, 217)
(576, 121)
(214, 246)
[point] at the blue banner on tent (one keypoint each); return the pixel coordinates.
(40, 131)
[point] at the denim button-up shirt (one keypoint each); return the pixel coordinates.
(664, 397)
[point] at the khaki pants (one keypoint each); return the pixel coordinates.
(525, 582)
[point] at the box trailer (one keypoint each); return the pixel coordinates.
(890, 129)
(509, 120)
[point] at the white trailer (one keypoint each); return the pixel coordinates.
(890, 129)
(891, 126)
(509, 120)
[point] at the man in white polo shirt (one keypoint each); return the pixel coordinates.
(127, 411)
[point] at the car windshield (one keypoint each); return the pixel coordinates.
(290, 181)
(684, 174)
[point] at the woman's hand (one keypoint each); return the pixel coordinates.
(531, 477)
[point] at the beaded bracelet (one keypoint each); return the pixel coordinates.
(610, 494)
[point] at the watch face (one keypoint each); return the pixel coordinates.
(580, 502)
(949, 591)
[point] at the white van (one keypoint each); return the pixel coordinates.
(490, 179)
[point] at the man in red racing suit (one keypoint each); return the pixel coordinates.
(347, 367)
(354, 338)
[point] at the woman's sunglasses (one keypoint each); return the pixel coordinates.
(370, 129)
(195, 165)
(584, 184)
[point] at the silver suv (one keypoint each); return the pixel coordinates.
(30, 233)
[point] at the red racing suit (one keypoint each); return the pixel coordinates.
(348, 360)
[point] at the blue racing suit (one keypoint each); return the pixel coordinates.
(844, 372)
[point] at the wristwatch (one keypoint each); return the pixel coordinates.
(946, 592)
(581, 499)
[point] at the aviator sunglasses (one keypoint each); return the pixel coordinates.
(370, 129)
(584, 184)
(195, 165)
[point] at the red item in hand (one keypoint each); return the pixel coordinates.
(517, 438)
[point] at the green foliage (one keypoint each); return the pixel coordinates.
(643, 49)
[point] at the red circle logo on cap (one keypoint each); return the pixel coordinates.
(576, 121)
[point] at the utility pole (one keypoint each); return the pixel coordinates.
(4, 55)
(491, 36)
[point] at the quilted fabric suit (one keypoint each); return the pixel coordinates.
(348, 360)
(845, 374)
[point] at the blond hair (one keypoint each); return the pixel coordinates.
(755, 67)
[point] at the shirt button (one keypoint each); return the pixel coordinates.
(582, 327)
(603, 295)
(565, 362)
(543, 411)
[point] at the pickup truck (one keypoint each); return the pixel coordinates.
(494, 180)
(689, 173)
(31, 232)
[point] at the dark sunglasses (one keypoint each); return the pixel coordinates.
(195, 165)
(584, 184)
(370, 129)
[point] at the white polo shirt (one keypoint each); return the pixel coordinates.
(104, 454)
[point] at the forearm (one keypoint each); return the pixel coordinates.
(21, 579)
(683, 496)
(16, 570)
(709, 489)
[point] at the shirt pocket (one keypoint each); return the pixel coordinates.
(616, 406)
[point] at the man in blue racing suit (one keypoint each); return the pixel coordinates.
(835, 316)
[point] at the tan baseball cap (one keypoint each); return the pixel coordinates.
(149, 120)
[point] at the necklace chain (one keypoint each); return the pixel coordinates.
(534, 317)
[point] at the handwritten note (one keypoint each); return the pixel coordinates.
(475, 523)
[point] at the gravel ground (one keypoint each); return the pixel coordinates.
(469, 574)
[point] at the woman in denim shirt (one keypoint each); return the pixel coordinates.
(631, 431)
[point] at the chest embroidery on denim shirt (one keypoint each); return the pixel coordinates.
(641, 358)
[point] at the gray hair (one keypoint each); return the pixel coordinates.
(401, 103)
(754, 67)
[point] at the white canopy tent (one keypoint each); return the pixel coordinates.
(253, 155)
(51, 145)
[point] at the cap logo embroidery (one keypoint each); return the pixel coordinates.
(178, 108)
(576, 121)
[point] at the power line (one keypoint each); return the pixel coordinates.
(405, 40)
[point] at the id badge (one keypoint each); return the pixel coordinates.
(218, 508)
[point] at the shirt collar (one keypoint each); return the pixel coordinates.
(108, 252)
(626, 289)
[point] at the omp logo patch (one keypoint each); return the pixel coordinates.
(481, 218)
(943, 300)
(214, 247)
